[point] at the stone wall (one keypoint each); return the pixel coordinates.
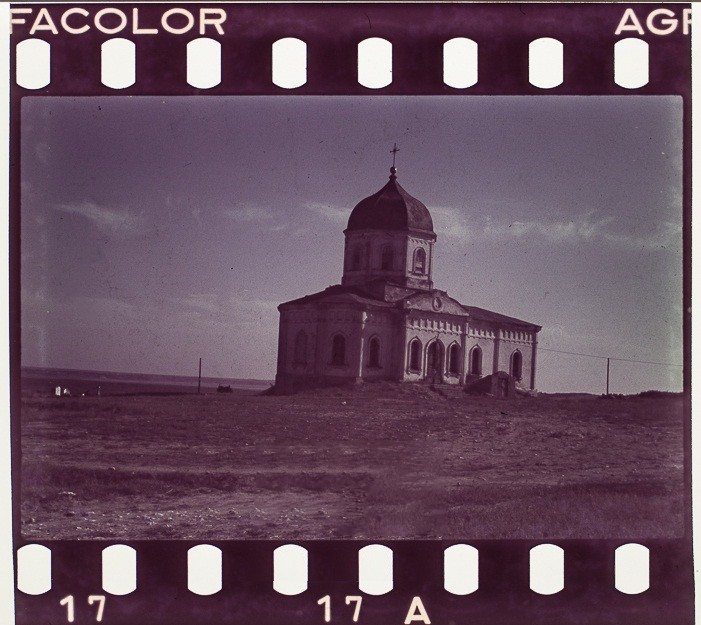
(395, 330)
(363, 259)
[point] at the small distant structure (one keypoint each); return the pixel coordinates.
(57, 391)
(224, 389)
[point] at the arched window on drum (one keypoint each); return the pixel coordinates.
(419, 261)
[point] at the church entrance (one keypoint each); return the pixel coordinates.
(434, 363)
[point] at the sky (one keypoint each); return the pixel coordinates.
(157, 231)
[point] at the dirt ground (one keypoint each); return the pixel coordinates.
(380, 461)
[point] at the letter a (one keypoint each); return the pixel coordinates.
(629, 15)
(417, 612)
(48, 25)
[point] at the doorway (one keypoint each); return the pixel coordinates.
(434, 363)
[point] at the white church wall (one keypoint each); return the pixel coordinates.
(320, 326)
(371, 246)
(348, 323)
(484, 337)
(294, 322)
(358, 328)
(362, 260)
(383, 326)
(487, 346)
(511, 341)
(413, 243)
(426, 329)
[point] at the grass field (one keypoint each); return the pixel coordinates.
(379, 461)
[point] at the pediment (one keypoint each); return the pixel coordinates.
(435, 301)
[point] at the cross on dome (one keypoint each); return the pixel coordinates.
(394, 151)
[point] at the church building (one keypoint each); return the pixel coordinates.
(387, 320)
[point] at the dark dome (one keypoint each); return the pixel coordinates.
(391, 208)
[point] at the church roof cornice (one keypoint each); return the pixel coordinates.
(359, 298)
(338, 294)
(424, 234)
(499, 320)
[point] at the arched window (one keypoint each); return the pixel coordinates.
(301, 348)
(434, 362)
(338, 350)
(434, 356)
(419, 260)
(476, 361)
(355, 258)
(516, 364)
(454, 359)
(387, 263)
(415, 355)
(374, 353)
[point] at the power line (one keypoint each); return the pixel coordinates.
(644, 362)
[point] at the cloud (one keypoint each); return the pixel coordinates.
(105, 219)
(234, 307)
(333, 212)
(451, 222)
(665, 234)
(583, 229)
(202, 302)
(263, 217)
(588, 229)
(249, 214)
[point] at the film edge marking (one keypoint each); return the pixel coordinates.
(289, 63)
(375, 569)
(375, 63)
(34, 569)
(290, 569)
(546, 63)
(547, 569)
(632, 568)
(460, 63)
(204, 569)
(118, 63)
(33, 64)
(203, 63)
(119, 569)
(374, 59)
(631, 63)
(461, 569)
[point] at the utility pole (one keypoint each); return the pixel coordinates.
(608, 374)
(199, 379)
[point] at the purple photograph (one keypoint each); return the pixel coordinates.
(338, 317)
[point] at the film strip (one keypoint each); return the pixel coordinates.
(456, 50)
(495, 582)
